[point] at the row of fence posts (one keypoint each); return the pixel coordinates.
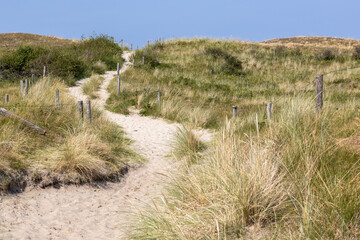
(318, 99)
(88, 110)
(57, 103)
(148, 43)
(25, 90)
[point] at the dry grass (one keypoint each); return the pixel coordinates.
(294, 177)
(71, 152)
(10, 41)
(92, 86)
(290, 181)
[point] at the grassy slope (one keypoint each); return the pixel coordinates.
(288, 178)
(10, 41)
(189, 72)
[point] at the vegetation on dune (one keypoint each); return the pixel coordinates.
(71, 61)
(292, 177)
(92, 86)
(11, 41)
(71, 152)
(202, 79)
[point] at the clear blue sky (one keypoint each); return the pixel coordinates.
(135, 21)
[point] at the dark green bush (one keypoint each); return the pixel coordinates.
(326, 55)
(231, 65)
(356, 53)
(69, 62)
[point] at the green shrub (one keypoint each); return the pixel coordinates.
(95, 54)
(326, 55)
(356, 53)
(231, 65)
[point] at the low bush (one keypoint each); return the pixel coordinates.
(231, 65)
(70, 62)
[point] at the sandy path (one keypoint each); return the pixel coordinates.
(85, 212)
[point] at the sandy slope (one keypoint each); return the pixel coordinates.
(85, 212)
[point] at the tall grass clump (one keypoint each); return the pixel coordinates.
(92, 86)
(71, 151)
(293, 180)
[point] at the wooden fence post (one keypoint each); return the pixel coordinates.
(143, 58)
(26, 87)
(6, 113)
(122, 43)
(118, 69)
(88, 111)
(148, 43)
(118, 85)
(22, 87)
(32, 79)
(319, 92)
(6, 98)
(234, 111)
(44, 72)
(268, 110)
(159, 98)
(81, 110)
(57, 96)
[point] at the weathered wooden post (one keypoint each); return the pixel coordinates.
(44, 72)
(32, 79)
(274, 53)
(88, 111)
(143, 58)
(159, 98)
(81, 110)
(118, 69)
(268, 110)
(131, 47)
(133, 62)
(6, 98)
(6, 113)
(148, 43)
(319, 92)
(22, 87)
(257, 124)
(122, 43)
(26, 87)
(118, 85)
(57, 98)
(234, 111)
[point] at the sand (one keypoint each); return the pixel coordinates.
(101, 212)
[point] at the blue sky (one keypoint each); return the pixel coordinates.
(139, 20)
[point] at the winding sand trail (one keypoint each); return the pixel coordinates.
(86, 212)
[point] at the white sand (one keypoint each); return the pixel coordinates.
(86, 212)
